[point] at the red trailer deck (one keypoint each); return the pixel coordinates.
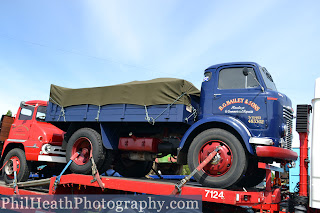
(260, 199)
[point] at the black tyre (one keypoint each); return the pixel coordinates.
(227, 167)
(23, 170)
(132, 168)
(253, 175)
(85, 141)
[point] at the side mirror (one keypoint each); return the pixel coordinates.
(245, 71)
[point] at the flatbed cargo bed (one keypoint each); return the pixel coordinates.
(120, 113)
(163, 99)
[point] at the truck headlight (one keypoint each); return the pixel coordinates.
(46, 148)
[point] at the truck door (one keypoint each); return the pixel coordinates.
(20, 129)
(240, 96)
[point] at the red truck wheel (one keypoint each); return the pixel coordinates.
(227, 167)
(85, 141)
(23, 170)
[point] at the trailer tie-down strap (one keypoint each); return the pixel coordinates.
(15, 164)
(180, 184)
(96, 176)
(57, 181)
(152, 120)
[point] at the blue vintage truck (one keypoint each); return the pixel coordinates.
(128, 126)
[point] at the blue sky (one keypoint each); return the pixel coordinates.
(86, 43)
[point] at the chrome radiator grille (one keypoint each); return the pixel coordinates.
(288, 117)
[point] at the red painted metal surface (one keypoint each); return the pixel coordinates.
(303, 184)
(139, 144)
(221, 162)
(14, 164)
(84, 147)
(37, 102)
(77, 183)
(276, 152)
(32, 134)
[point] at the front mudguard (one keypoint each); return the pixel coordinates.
(214, 122)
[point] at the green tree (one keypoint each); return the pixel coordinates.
(9, 113)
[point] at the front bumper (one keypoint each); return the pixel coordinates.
(276, 152)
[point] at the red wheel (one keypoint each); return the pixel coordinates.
(9, 167)
(229, 164)
(221, 163)
(88, 142)
(84, 147)
(23, 167)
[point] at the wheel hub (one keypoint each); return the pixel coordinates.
(9, 168)
(82, 145)
(216, 159)
(222, 161)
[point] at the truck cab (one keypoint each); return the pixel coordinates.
(252, 99)
(32, 139)
(239, 105)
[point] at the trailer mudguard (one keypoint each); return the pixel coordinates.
(228, 120)
(109, 137)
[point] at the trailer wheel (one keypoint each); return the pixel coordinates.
(23, 170)
(132, 168)
(85, 141)
(227, 167)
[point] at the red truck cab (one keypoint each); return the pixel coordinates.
(32, 138)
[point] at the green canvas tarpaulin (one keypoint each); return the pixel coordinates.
(145, 93)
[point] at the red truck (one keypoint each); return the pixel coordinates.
(41, 142)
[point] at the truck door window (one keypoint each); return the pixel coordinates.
(26, 113)
(233, 78)
(41, 113)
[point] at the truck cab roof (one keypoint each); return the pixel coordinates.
(35, 102)
(232, 63)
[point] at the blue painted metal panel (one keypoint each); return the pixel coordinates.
(109, 137)
(118, 113)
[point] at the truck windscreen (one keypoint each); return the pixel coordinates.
(268, 79)
(41, 113)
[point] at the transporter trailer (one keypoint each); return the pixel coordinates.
(219, 200)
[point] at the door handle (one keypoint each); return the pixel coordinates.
(216, 96)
